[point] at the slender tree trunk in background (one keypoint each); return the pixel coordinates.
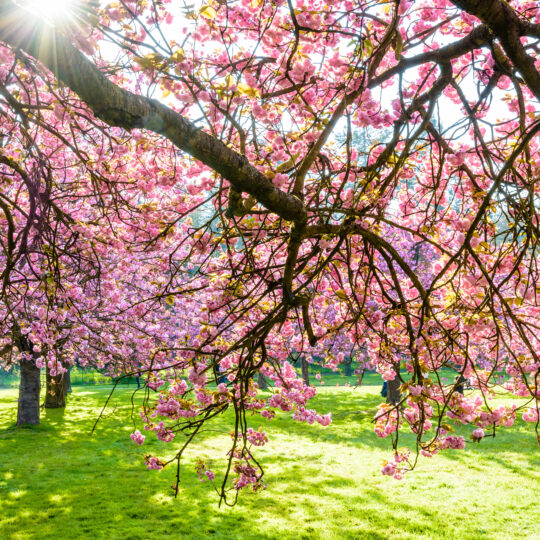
(393, 397)
(55, 395)
(348, 366)
(29, 389)
(67, 382)
(305, 371)
(262, 382)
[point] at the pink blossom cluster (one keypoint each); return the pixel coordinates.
(137, 437)
(398, 466)
(203, 472)
(387, 420)
(256, 438)
(247, 475)
(153, 463)
(310, 416)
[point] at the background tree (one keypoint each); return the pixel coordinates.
(74, 252)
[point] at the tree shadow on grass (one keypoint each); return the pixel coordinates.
(78, 486)
(513, 449)
(352, 421)
(58, 475)
(54, 417)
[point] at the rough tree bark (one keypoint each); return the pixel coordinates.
(55, 395)
(29, 389)
(30, 381)
(305, 371)
(348, 366)
(67, 382)
(394, 395)
(261, 381)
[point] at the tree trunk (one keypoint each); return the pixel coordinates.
(55, 396)
(67, 381)
(29, 389)
(305, 371)
(394, 395)
(261, 381)
(348, 366)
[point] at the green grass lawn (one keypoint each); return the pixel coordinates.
(57, 481)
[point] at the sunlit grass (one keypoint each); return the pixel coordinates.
(58, 481)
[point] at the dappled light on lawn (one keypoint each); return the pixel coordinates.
(322, 482)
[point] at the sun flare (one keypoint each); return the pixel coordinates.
(51, 9)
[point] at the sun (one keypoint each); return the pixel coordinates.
(52, 10)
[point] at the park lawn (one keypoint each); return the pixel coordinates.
(58, 481)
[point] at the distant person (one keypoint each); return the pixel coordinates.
(384, 391)
(459, 383)
(221, 375)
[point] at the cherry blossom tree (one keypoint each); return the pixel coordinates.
(416, 253)
(84, 254)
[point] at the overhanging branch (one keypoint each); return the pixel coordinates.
(121, 108)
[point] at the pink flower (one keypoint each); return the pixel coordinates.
(530, 415)
(153, 463)
(197, 376)
(478, 434)
(259, 112)
(257, 438)
(280, 180)
(325, 419)
(179, 389)
(456, 159)
(137, 437)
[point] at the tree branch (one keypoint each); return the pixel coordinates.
(505, 23)
(121, 108)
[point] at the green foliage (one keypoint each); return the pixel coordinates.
(79, 377)
(58, 481)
